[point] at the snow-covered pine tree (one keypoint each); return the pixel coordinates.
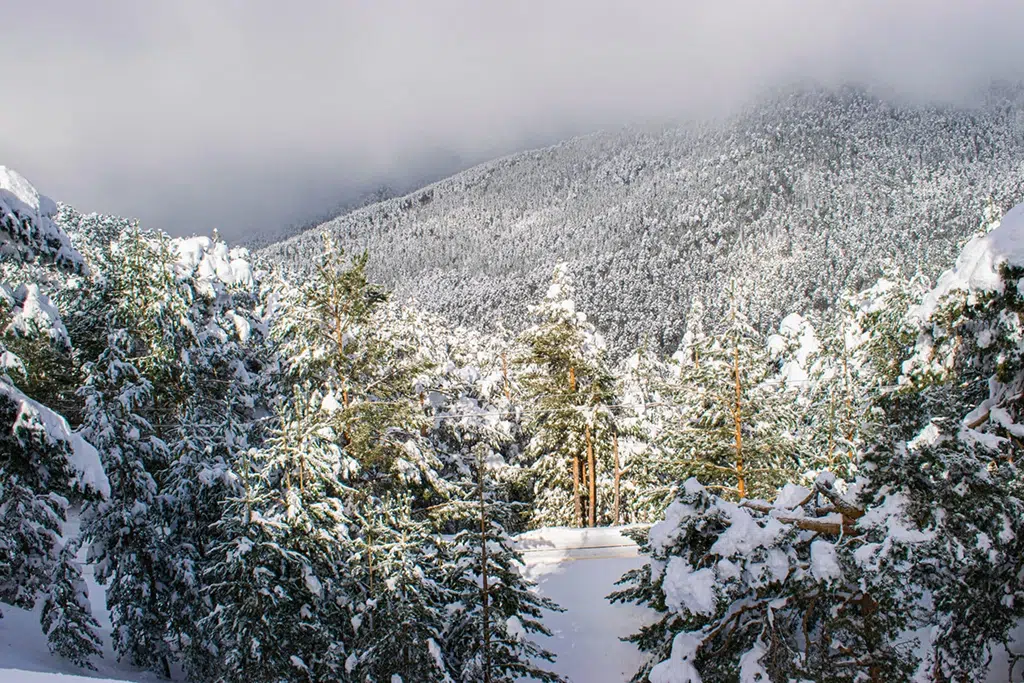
(838, 394)
(44, 467)
(126, 533)
(133, 392)
(255, 588)
(227, 412)
(913, 572)
(569, 388)
(66, 617)
(943, 497)
(334, 335)
(469, 397)
(490, 629)
(642, 490)
(763, 591)
(286, 538)
(401, 607)
(730, 423)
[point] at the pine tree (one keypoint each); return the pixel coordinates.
(402, 609)
(256, 587)
(488, 634)
(333, 334)
(131, 392)
(569, 389)
(766, 591)
(732, 425)
(66, 616)
(125, 533)
(286, 543)
(642, 487)
(44, 466)
(913, 571)
(839, 393)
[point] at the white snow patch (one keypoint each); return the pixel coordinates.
(84, 459)
(824, 563)
(791, 495)
(685, 589)
(678, 668)
(577, 568)
(751, 670)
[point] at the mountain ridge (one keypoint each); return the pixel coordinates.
(806, 195)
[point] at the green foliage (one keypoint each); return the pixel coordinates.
(730, 423)
(568, 387)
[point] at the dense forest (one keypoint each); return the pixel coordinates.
(292, 480)
(283, 473)
(804, 195)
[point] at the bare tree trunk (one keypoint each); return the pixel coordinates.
(618, 473)
(483, 574)
(592, 469)
(741, 481)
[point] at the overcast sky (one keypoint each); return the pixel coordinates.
(250, 114)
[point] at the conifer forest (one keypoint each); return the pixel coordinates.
(780, 359)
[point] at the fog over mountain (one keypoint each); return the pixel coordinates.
(250, 117)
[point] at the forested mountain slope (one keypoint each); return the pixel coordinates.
(803, 196)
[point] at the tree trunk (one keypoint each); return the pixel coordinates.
(576, 490)
(849, 403)
(483, 575)
(618, 473)
(592, 470)
(576, 465)
(741, 481)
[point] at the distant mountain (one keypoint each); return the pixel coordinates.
(801, 197)
(262, 239)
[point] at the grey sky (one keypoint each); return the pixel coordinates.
(249, 114)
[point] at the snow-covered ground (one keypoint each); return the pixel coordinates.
(25, 658)
(577, 568)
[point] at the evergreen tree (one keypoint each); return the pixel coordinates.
(769, 592)
(332, 335)
(569, 388)
(44, 466)
(488, 634)
(402, 608)
(66, 616)
(643, 487)
(731, 424)
(913, 571)
(286, 541)
(126, 536)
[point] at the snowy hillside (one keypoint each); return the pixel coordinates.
(802, 197)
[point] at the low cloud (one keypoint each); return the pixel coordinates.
(247, 116)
